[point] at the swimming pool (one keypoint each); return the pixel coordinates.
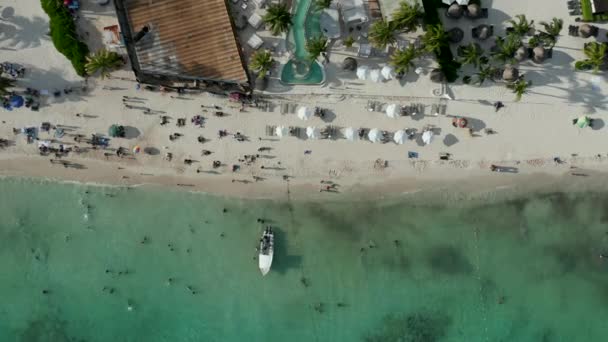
(299, 70)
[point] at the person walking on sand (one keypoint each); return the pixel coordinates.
(498, 105)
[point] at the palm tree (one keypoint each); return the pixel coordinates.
(322, 4)
(435, 38)
(471, 54)
(506, 48)
(485, 72)
(261, 62)
(519, 88)
(5, 83)
(554, 27)
(381, 34)
(316, 46)
(103, 61)
(521, 27)
(278, 17)
(403, 59)
(596, 57)
(407, 17)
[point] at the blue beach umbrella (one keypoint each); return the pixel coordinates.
(16, 101)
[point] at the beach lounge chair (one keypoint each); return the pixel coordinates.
(255, 42)
(271, 130)
(365, 50)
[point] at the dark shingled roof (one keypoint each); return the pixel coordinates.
(599, 6)
(191, 39)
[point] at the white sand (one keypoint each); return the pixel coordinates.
(529, 133)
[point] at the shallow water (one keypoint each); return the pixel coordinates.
(526, 270)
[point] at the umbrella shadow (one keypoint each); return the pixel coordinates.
(329, 116)
(131, 132)
(282, 260)
(475, 124)
(598, 124)
(450, 140)
(153, 151)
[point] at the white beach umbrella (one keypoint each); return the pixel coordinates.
(312, 132)
(304, 113)
(281, 131)
(363, 72)
(350, 134)
(427, 137)
(374, 135)
(460, 2)
(376, 76)
(400, 137)
(392, 110)
(388, 72)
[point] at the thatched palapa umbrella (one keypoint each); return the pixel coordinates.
(473, 10)
(521, 54)
(539, 54)
(455, 35)
(454, 11)
(349, 64)
(510, 73)
(587, 30)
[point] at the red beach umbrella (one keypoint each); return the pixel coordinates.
(459, 122)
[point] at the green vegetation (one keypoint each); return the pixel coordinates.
(588, 14)
(446, 61)
(506, 48)
(315, 47)
(519, 88)
(5, 83)
(522, 26)
(349, 41)
(381, 34)
(407, 17)
(486, 72)
(103, 61)
(322, 4)
(435, 38)
(63, 35)
(596, 57)
(278, 18)
(553, 28)
(403, 60)
(471, 54)
(261, 62)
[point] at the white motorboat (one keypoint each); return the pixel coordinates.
(266, 250)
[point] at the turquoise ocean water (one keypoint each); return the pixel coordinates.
(522, 270)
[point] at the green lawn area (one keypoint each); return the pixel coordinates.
(588, 15)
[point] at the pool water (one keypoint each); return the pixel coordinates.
(305, 25)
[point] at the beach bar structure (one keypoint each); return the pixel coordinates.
(185, 43)
(599, 6)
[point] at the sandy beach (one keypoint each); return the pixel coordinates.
(529, 135)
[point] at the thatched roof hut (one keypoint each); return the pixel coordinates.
(437, 76)
(454, 11)
(510, 73)
(349, 64)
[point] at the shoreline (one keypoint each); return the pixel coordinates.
(434, 184)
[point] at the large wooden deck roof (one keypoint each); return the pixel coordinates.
(187, 38)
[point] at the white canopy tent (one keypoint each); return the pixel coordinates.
(313, 132)
(392, 111)
(374, 135)
(350, 134)
(281, 131)
(427, 137)
(376, 76)
(388, 72)
(304, 113)
(363, 72)
(400, 137)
